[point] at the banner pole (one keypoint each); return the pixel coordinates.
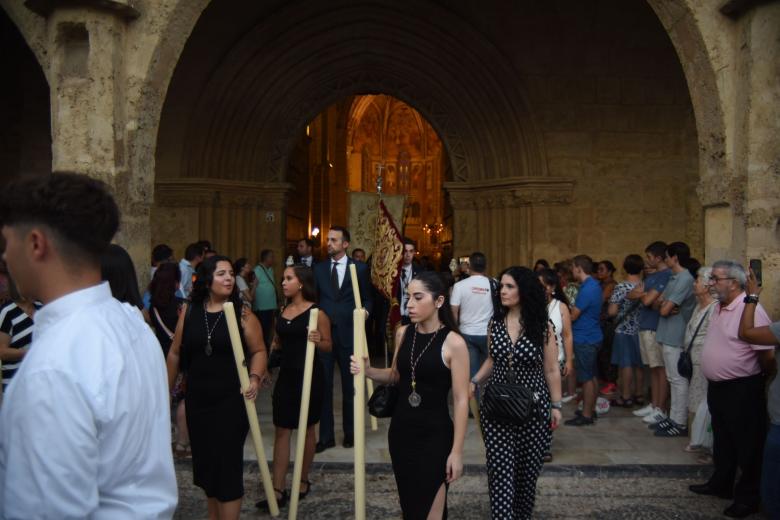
(251, 411)
(303, 418)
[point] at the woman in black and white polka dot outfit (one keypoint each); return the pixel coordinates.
(521, 344)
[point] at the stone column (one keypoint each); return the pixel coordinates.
(86, 43)
(496, 216)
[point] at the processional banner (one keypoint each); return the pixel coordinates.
(373, 225)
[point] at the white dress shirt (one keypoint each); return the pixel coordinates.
(307, 260)
(85, 428)
(406, 278)
(341, 268)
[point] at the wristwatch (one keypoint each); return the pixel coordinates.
(751, 298)
(558, 405)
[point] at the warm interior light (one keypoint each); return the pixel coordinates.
(315, 231)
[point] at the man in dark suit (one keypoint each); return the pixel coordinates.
(409, 270)
(337, 300)
(305, 250)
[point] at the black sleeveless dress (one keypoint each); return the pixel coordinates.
(289, 386)
(421, 438)
(216, 414)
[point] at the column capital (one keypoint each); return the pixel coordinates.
(122, 8)
(511, 192)
(193, 192)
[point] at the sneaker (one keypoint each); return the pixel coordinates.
(655, 417)
(609, 388)
(674, 430)
(595, 416)
(567, 399)
(579, 420)
(662, 425)
(644, 412)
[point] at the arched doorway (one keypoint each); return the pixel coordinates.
(564, 126)
(344, 149)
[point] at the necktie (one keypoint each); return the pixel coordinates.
(334, 278)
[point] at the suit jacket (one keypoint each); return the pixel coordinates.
(339, 307)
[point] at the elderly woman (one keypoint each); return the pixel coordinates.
(695, 332)
(216, 415)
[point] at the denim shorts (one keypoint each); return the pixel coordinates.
(585, 360)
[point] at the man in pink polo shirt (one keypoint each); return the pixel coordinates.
(735, 394)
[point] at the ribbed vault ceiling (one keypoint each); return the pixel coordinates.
(250, 78)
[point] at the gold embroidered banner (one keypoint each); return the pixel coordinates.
(387, 255)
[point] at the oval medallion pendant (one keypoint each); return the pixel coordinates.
(415, 399)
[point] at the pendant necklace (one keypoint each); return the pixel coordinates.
(414, 397)
(210, 332)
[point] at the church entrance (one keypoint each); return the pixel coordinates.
(537, 131)
(357, 146)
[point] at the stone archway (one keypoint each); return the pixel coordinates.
(722, 60)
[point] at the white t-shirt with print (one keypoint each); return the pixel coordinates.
(472, 296)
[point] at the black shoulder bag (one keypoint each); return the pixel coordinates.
(685, 363)
(382, 402)
(509, 402)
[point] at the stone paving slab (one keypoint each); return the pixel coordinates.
(616, 492)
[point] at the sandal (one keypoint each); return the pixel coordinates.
(301, 494)
(639, 400)
(181, 451)
(623, 403)
(281, 501)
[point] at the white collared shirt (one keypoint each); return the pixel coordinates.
(341, 268)
(85, 428)
(307, 260)
(406, 278)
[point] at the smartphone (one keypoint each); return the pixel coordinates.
(755, 266)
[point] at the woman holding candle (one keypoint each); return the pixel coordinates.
(291, 336)
(216, 414)
(430, 359)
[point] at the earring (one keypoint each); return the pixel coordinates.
(300, 287)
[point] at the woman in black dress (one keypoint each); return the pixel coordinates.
(521, 350)
(216, 415)
(291, 337)
(430, 358)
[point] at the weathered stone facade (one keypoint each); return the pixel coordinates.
(570, 126)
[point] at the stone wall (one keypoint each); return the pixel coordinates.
(596, 92)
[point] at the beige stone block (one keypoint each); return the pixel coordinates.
(608, 90)
(565, 167)
(617, 144)
(568, 144)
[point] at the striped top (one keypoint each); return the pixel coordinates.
(15, 323)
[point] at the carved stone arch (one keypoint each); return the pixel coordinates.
(362, 84)
(685, 32)
(268, 80)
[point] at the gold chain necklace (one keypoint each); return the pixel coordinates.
(414, 397)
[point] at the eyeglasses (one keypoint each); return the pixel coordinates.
(715, 279)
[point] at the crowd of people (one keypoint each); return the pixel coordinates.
(677, 343)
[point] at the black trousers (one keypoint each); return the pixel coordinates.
(739, 425)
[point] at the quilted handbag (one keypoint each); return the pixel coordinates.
(509, 403)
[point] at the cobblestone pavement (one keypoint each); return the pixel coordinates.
(617, 492)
